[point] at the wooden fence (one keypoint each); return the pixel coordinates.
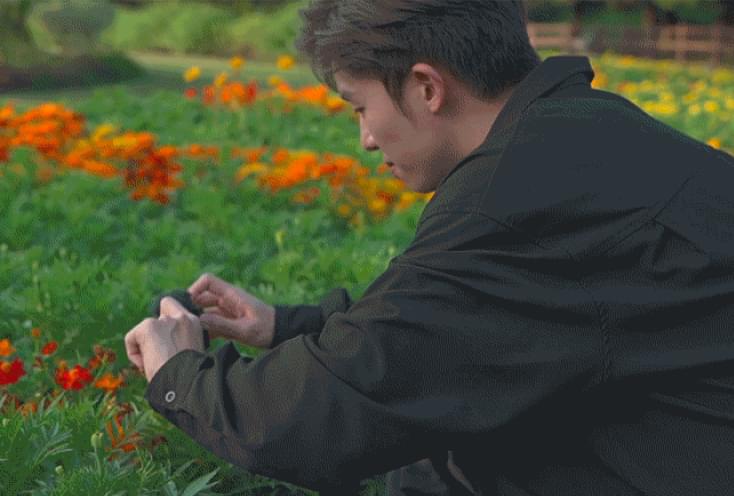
(714, 43)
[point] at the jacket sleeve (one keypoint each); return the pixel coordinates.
(467, 330)
(293, 320)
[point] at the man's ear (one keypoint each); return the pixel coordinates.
(432, 85)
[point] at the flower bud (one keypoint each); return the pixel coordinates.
(96, 440)
(59, 469)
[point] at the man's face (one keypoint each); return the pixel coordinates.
(417, 149)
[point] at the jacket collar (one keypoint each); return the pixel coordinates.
(550, 75)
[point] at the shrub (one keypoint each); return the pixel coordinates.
(75, 25)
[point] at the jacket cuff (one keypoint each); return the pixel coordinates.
(170, 384)
(294, 320)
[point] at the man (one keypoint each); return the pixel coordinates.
(559, 325)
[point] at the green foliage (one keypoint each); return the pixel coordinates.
(194, 27)
(695, 11)
(549, 10)
(266, 34)
(85, 272)
(186, 28)
(75, 25)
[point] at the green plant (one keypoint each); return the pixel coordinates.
(75, 25)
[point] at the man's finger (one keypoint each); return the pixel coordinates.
(171, 308)
(132, 348)
(206, 282)
(206, 299)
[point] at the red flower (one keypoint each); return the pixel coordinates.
(76, 378)
(50, 348)
(11, 372)
(190, 93)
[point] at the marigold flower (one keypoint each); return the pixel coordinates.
(275, 80)
(49, 348)
(11, 372)
(221, 79)
(28, 408)
(6, 347)
(76, 378)
(108, 382)
(192, 74)
(100, 169)
(715, 143)
(285, 62)
(236, 62)
(246, 170)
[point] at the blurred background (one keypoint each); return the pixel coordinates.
(63, 43)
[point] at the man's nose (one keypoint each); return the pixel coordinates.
(368, 142)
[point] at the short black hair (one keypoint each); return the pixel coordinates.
(482, 43)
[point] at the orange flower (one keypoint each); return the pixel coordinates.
(36, 332)
(116, 440)
(27, 408)
(100, 169)
(44, 173)
(6, 115)
(315, 94)
(11, 372)
(108, 382)
(6, 348)
(50, 348)
(249, 154)
(191, 93)
(280, 156)
(76, 378)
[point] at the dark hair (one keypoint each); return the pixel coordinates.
(482, 43)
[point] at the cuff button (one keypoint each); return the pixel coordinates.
(170, 396)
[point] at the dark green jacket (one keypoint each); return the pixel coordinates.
(562, 322)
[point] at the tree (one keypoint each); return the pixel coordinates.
(16, 42)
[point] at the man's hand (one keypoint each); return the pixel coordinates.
(153, 342)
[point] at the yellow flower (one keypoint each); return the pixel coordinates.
(192, 74)
(377, 205)
(666, 108)
(221, 79)
(285, 62)
(253, 168)
(694, 109)
(711, 106)
(344, 210)
(600, 81)
(729, 104)
(102, 131)
(649, 107)
(275, 80)
(689, 97)
(714, 142)
(236, 62)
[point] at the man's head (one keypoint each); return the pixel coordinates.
(427, 77)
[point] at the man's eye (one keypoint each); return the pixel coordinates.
(358, 110)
